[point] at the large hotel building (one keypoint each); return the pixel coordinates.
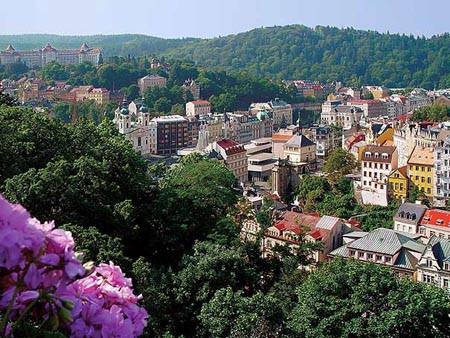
(41, 57)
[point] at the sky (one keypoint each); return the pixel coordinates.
(211, 18)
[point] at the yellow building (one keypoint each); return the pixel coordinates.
(385, 136)
(421, 170)
(398, 183)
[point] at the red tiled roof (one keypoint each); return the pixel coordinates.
(436, 218)
(294, 221)
(231, 147)
(281, 137)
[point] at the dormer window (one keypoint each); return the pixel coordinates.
(377, 155)
(439, 222)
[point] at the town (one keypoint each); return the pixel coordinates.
(398, 157)
(224, 169)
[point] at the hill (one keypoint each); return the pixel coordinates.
(112, 45)
(289, 52)
(326, 53)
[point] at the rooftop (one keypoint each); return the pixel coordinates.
(299, 141)
(422, 156)
(410, 213)
(436, 218)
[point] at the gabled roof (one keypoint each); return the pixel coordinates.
(386, 241)
(327, 222)
(10, 48)
(410, 213)
(440, 247)
(299, 141)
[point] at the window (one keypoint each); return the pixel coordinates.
(387, 259)
(427, 278)
(379, 257)
(360, 254)
(352, 252)
(369, 256)
(429, 263)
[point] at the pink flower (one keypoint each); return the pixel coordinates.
(36, 259)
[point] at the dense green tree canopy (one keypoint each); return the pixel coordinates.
(432, 113)
(351, 298)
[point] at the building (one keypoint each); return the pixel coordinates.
(376, 165)
(341, 115)
(243, 127)
(434, 264)
(324, 138)
(285, 177)
(398, 250)
(370, 108)
(47, 54)
(137, 127)
(151, 81)
(398, 183)
(234, 156)
(441, 193)
(99, 95)
(287, 229)
(421, 170)
(378, 92)
(198, 108)
(260, 167)
(171, 134)
(435, 222)
(281, 113)
(408, 217)
(279, 139)
(300, 150)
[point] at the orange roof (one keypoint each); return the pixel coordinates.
(422, 156)
(294, 221)
(198, 102)
(388, 143)
(281, 137)
(436, 218)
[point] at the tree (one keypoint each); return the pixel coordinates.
(339, 163)
(210, 268)
(162, 105)
(231, 314)
(7, 100)
(132, 92)
(54, 71)
(350, 298)
(433, 113)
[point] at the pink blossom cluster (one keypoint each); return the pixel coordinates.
(41, 276)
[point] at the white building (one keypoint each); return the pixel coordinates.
(408, 216)
(376, 164)
(434, 264)
(138, 128)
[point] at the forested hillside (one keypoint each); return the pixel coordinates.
(325, 53)
(290, 52)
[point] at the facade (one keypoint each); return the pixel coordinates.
(279, 139)
(408, 217)
(260, 167)
(370, 108)
(441, 193)
(435, 222)
(47, 54)
(434, 264)
(285, 177)
(171, 134)
(281, 113)
(398, 183)
(376, 165)
(378, 92)
(151, 81)
(287, 228)
(234, 156)
(421, 170)
(138, 128)
(243, 127)
(398, 250)
(300, 150)
(341, 115)
(324, 138)
(198, 108)
(99, 95)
